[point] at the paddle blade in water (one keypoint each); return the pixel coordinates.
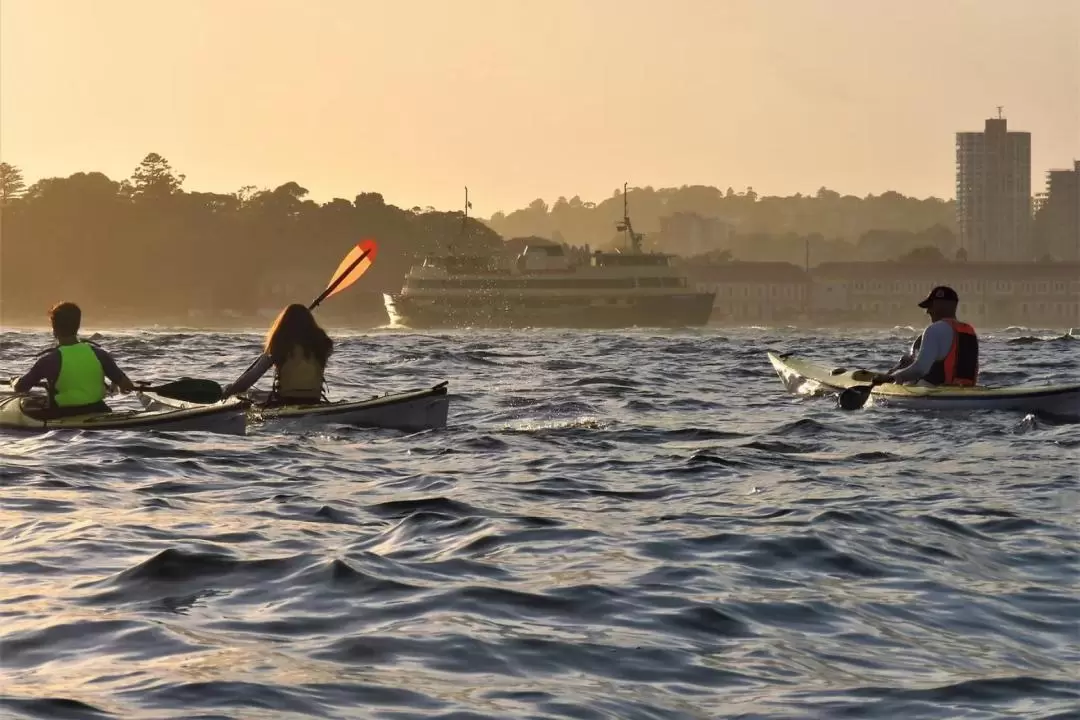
(190, 390)
(355, 264)
(853, 398)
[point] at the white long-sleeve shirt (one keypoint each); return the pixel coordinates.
(937, 340)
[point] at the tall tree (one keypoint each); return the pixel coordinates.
(11, 183)
(154, 177)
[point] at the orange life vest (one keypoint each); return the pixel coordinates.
(961, 365)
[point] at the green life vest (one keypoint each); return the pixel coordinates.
(82, 379)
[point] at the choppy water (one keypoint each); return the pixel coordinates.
(624, 525)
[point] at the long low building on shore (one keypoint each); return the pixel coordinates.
(1030, 294)
(754, 292)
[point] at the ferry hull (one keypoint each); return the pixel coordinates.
(667, 311)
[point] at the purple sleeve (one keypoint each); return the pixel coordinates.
(47, 368)
(109, 365)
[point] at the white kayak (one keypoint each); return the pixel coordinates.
(26, 413)
(805, 377)
(412, 411)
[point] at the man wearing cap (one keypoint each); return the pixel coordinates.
(948, 351)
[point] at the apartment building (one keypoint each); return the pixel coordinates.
(993, 193)
(1057, 218)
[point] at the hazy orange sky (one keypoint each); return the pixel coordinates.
(521, 99)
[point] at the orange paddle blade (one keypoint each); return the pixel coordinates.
(355, 264)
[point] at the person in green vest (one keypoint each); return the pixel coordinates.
(75, 370)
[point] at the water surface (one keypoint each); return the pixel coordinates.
(618, 525)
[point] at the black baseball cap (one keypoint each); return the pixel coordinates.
(941, 292)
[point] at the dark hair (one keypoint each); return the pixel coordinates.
(66, 317)
(296, 326)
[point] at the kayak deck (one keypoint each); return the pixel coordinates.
(414, 410)
(23, 413)
(803, 376)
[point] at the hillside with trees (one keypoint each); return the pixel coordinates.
(145, 249)
(759, 227)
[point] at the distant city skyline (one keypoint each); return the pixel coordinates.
(527, 100)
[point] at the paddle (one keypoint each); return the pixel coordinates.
(355, 264)
(855, 397)
(185, 390)
(191, 390)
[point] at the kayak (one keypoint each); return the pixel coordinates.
(413, 411)
(24, 413)
(808, 378)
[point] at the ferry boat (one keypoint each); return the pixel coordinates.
(549, 285)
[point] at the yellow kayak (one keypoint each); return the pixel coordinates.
(806, 377)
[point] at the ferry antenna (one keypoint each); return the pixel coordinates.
(626, 226)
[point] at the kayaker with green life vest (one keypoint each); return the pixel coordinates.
(947, 351)
(74, 371)
(298, 350)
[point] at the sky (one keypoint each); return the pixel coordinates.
(521, 99)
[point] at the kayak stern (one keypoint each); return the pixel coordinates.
(224, 418)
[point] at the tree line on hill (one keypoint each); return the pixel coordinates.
(144, 247)
(836, 227)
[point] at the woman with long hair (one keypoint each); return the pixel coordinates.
(298, 350)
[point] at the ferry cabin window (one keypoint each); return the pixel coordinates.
(629, 260)
(649, 282)
(523, 284)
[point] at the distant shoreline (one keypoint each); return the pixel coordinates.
(210, 323)
(258, 326)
